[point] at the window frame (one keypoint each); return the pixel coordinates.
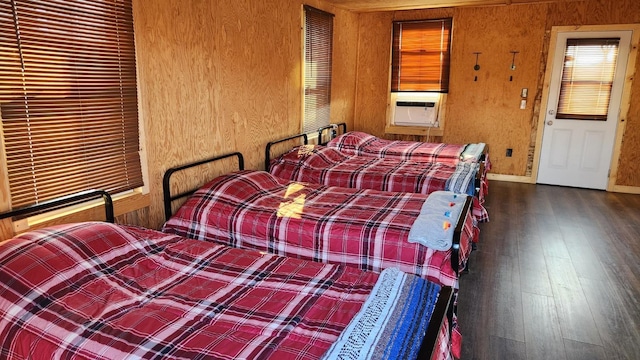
(130, 200)
(574, 76)
(323, 90)
(429, 80)
(395, 95)
(69, 99)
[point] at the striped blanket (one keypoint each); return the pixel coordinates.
(395, 296)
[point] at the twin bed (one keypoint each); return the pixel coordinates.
(357, 143)
(105, 291)
(366, 229)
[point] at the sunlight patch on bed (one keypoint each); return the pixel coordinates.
(293, 208)
(292, 189)
(305, 150)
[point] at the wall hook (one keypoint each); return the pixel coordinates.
(513, 59)
(476, 67)
(513, 63)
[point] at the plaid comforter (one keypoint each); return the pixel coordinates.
(328, 166)
(363, 144)
(359, 143)
(366, 229)
(102, 291)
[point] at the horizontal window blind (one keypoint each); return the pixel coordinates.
(68, 97)
(318, 48)
(587, 79)
(421, 55)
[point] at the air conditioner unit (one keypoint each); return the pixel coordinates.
(416, 113)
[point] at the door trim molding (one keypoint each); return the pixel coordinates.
(625, 101)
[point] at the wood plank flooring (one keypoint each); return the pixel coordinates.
(556, 276)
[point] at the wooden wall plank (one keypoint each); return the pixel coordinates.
(488, 110)
(223, 76)
(343, 80)
(374, 53)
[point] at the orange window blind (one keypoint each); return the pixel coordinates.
(68, 97)
(420, 55)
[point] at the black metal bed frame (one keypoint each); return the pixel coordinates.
(64, 201)
(334, 132)
(457, 235)
(166, 184)
(444, 307)
(305, 136)
(267, 151)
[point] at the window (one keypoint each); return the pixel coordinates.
(318, 43)
(587, 79)
(68, 97)
(420, 56)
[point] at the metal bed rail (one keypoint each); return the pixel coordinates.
(166, 179)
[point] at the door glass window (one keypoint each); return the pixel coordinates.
(587, 79)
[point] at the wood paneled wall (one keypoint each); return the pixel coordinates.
(225, 75)
(487, 110)
(222, 76)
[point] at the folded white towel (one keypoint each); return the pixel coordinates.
(472, 152)
(435, 226)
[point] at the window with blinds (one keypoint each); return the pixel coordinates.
(318, 47)
(420, 55)
(587, 79)
(68, 97)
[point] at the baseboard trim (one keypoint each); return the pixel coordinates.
(511, 178)
(529, 180)
(626, 189)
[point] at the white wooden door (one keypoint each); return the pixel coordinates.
(578, 152)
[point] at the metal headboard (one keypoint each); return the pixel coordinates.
(166, 184)
(62, 202)
(334, 131)
(267, 151)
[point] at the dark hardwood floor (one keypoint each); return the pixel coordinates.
(556, 276)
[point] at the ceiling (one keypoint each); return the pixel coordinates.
(386, 5)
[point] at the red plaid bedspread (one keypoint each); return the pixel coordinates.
(366, 229)
(101, 291)
(359, 143)
(328, 166)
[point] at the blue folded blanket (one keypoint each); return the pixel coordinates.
(392, 321)
(435, 226)
(463, 178)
